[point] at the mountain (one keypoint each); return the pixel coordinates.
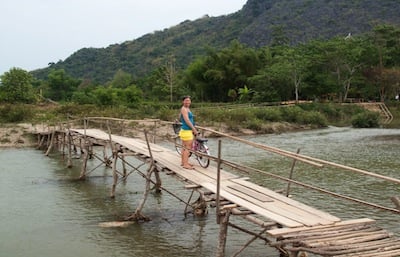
(254, 26)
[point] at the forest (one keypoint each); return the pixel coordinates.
(341, 69)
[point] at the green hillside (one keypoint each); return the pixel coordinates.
(259, 23)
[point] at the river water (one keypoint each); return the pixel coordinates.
(46, 212)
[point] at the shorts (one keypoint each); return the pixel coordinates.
(186, 135)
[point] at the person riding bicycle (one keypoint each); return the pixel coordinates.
(187, 131)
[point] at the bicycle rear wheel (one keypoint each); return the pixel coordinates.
(203, 160)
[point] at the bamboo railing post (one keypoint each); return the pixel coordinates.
(291, 174)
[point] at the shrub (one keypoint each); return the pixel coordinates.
(254, 124)
(15, 113)
(366, 120)
(292, 114)
(314, 118)
(268, 114)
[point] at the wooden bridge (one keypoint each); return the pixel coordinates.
(291, 227)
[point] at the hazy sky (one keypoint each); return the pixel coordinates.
(36, 32)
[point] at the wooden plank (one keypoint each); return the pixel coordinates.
(283, 231)
(371, 245)
(250, 206)
(288, 200)
(272, 207)
(377, 253)
(327, 230)
(252, 193)
(348, 239)
(211, 171)
(368, 247)
(320, 236)
(278, 207)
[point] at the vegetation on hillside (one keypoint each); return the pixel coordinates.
(260, 23)
(365, 68)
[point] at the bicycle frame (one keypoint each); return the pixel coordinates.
(199, 148)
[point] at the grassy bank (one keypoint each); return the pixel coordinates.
(258, 118)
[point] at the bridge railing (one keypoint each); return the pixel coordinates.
(163, 129)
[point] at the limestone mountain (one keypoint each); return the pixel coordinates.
(255, 25)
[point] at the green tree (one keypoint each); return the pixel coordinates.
(16, 87)
(121, 79)
(60, 86)
(106, 96)
(220, 71)
(290, 67)
(383, 54)
(131, 96)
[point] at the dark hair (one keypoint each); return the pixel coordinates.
(186, 96)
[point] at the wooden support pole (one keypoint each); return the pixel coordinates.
(291, 174)
(42, 137)
(156, 173)
(115, 174)
(396, 201)
(84, 161)
(137, 215)
(140, 207)
(223, 233)
(123, 166)
(48, 140)
(63, 144)
(158, 181)
(154, 131)
(106, 160)
(69, 161)
(50, 144)
(218, 207)
(249, 242)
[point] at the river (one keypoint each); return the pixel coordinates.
(46, 212)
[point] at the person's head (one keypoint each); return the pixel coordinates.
(186, 101)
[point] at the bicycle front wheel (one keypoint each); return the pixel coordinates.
(203, 160)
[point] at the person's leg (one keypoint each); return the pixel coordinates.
(185, 153)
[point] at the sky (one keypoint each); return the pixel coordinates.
(34, 33)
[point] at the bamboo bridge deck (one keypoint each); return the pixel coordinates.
(286, 224)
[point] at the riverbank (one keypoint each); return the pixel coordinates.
(16, 135)
(21, 134)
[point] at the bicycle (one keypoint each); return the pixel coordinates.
(199, 147)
